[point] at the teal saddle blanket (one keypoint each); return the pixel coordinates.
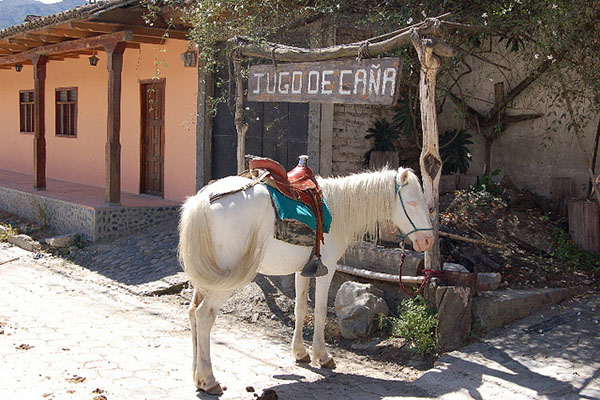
(291, 209)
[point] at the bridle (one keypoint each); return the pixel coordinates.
(398, 190)
(428, 273)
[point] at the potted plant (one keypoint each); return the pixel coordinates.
(383, 151)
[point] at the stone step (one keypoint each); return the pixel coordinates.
(497, 308)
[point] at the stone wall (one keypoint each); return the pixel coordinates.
(113, 222)
(350, 125)
(95, 224)
(351, 121)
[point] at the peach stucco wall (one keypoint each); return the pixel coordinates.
(16, 149)
(81, 159)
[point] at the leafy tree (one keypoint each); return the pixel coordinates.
(559, 40)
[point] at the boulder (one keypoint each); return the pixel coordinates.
(356, 306)
(25, 242)
(488, 281)
(453, 305)
(62, 241)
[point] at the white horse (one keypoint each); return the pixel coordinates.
(224, 244)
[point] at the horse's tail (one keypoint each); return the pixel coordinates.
(196, 251)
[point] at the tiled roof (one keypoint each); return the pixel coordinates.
(77, 13)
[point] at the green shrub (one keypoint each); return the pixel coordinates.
(572, 257)
(417, 324)
(7, 233)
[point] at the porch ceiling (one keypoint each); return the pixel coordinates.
(83, 31)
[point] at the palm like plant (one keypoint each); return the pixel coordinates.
(383, 134)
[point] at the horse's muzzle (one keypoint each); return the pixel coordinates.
(422, 241)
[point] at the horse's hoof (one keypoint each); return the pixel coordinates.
(304, 360)
(329, 364)
(216, 389)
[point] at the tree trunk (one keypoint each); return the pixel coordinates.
(240, 126)
(431, 162)
(487, 168)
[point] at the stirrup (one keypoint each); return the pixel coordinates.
(314, 268)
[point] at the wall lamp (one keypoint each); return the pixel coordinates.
(18, 67)
(93, 60)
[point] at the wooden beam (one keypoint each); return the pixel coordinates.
(278, 52)
(13, 47)
(105, 27)
(39, 138)
(26, 42)
(112, 188)
(102, 27)
(68, 46)
(148, 39)
(68, 33)
(44, 38)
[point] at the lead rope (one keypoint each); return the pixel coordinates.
(428, 273)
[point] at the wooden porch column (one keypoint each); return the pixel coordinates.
(112, 187)
(39, 138)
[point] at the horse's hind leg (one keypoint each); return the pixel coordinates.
(298, 348)
(204, 318)
(196, 300)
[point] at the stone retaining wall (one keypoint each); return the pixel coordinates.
(95, 224)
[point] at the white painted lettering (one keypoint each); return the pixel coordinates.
(271, 90)
(363, 79)
(389, 76)
(326, 82)
(374, 80)
(286, 87)
(258, 78)
(342, 90)
(313, 89)
(297, 79)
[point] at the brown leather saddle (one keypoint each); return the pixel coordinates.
(301, 185)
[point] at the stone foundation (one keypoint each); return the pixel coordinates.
(92, 223)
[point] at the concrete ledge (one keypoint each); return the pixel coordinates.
(92, 223)
(495, 309)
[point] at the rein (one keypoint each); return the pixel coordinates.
(428, 273)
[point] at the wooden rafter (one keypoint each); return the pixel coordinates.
(68, 33)
(106, 27)
(26, 42)
(68, 46)
(44, 38)
(13, 47)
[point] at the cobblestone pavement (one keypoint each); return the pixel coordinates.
(71, 333)
(67, 332)
(144, 262)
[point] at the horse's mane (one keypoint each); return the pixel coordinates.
(358, 202)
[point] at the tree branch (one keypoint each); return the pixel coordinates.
(279, 52)
(514, 92)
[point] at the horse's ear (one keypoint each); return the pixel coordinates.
(404, 177)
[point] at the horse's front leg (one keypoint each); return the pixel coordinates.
(319, 351)
(298, 349)
(204, 317)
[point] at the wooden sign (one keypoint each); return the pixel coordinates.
(369, 81)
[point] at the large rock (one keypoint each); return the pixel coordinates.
(453, 305)
(356, 306)
(25, 242)
(62, 241)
